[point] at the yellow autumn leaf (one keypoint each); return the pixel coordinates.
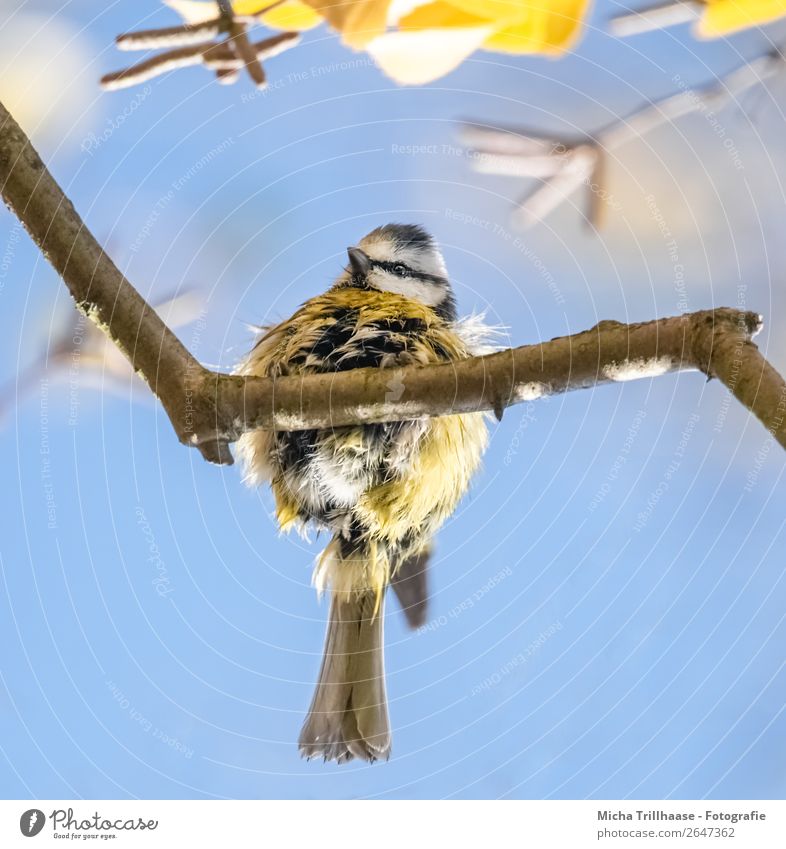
(416, 57)
(438, 15)
(498, 10)
(251, 7)
(358, 21)
(534, 27)
(291, 15)
(417, 41)
(551, 30)
(726, 16)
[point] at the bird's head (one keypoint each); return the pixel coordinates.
(405, 260)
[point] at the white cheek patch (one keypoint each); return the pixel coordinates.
(427, 293)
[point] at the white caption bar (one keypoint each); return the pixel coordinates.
(395, 824)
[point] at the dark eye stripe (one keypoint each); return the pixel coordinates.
(391, 266)
(387, 265)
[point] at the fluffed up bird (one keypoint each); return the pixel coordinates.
(382, 490)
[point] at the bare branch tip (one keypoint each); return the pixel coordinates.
(755, 324)
(216, 452)
(227, 76)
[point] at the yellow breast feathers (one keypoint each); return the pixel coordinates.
(426, 466)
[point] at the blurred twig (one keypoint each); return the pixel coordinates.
(566, 164)
(210, 410)
(195, 44)
(667, 13)
(81, 353)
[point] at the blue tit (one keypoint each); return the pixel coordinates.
(381, 490)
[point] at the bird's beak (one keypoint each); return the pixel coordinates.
(359, 262)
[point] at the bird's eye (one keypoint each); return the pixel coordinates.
(400, 270)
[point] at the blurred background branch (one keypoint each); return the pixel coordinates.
(565, 165)
(193, 44)
(210, 410)
(712, 18)
(413, 42)
(666, 13)
(79, 349)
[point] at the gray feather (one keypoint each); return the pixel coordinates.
(348, 717)
(410, 583)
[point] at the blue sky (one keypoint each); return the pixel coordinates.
(607, 618)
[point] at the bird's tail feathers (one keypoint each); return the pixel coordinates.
(348, 717)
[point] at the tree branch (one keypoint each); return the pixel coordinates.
(100, 291)
(210, 410)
